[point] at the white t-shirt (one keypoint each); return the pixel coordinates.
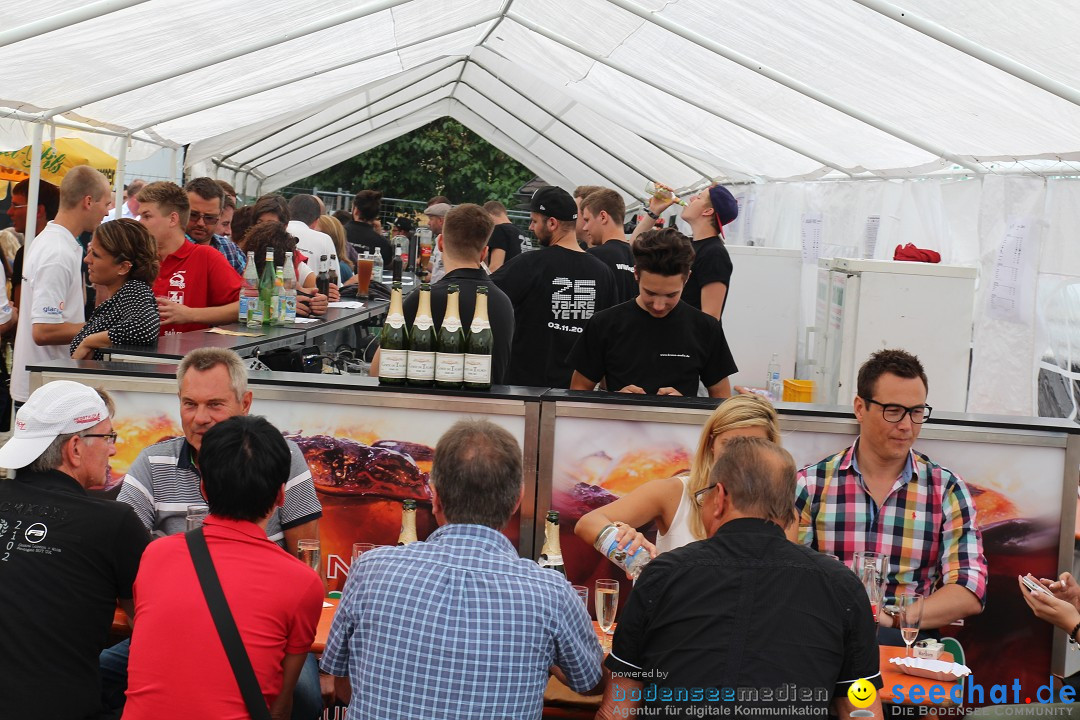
(5, 306)
(311, 243)
(52, 293)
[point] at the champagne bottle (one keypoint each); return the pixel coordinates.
(422, 342)
(551, 554)
(408, 522)
(479, 345)
(289, 289)
(250, 312)
(450, 349)
(393, 342)
(266, 288)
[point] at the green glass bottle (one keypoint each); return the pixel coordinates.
(450, 349)
(393, 342)
(479, 345)
(266, 288)
(422, 341)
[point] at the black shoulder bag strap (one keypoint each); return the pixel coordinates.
(226, 626)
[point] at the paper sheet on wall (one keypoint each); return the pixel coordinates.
(1010, 280)
(873, 224)
(811, 237)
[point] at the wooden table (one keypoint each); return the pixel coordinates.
(121, 628)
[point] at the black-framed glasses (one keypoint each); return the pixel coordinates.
(895, 413)
(112, 436)
(701, 493)
(195, 217)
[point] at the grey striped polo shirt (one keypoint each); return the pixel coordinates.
(162, 482)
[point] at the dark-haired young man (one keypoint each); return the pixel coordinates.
(459, 626)
(359, 231)
(48, 206)
(602, 214)
(177, 661)
(554, 291)
(655, 344)
(896, 501)
(206, 202)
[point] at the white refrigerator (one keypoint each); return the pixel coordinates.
(868, 305)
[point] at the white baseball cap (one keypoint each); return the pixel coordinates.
(56, 408)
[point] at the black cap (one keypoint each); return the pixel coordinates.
(554, 202)
(403, 223)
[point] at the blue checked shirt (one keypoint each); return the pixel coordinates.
(230, 250)
(457, 626)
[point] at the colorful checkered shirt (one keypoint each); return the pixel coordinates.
(229, 249)
(926, 527)
(457, 626)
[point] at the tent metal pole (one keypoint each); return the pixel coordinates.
(311, 140)
(291, 125)
(63, 20)
(975, 50)
(615, 156)
(256, 161)
(118, 179)
(614, 183)
(172, 161)
(791, 83)
(248, 92)
(619, 67)
(32, 191)
(209, 60)
(30, 118)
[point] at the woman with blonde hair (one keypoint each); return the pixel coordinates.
(333, 227)
(673, 503)
(122, 258)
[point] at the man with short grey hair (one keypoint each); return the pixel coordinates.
(66, 558)
(459, 626)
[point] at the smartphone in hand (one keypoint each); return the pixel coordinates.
(1032, 584)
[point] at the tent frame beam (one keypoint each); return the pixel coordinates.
(791, 83)
(968, 47)
(63, 20)
(324, 24)
(619, 67)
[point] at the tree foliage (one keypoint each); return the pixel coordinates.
(441, 158)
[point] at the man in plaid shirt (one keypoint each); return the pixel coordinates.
(459, 626)
(881, 496)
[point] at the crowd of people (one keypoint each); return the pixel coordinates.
(458, 625)
(747, 546)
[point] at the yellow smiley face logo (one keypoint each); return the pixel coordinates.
(862, 693)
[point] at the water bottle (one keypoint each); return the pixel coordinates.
(773, 384)
(377, 267)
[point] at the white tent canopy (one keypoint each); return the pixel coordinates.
(907, 101)
(609, 92)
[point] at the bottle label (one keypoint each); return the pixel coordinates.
(479, 324)
(396, 321)
(423, 322)
(449, 368)
(393, 363)
(608, 546)
(254, 310)
(290, 308)
(477, 368)
(453, 324)
(243, 309)
(421, 365)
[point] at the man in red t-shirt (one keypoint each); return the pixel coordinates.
(178, 666)
(196, 287)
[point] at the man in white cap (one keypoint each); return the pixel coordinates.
(66, 558)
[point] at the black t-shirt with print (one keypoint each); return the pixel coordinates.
(618, 256)
(711, 264)
(628, 346)
(66, 557)
(507, 237)
(554, 291)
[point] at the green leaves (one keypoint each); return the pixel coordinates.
(441, 158)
